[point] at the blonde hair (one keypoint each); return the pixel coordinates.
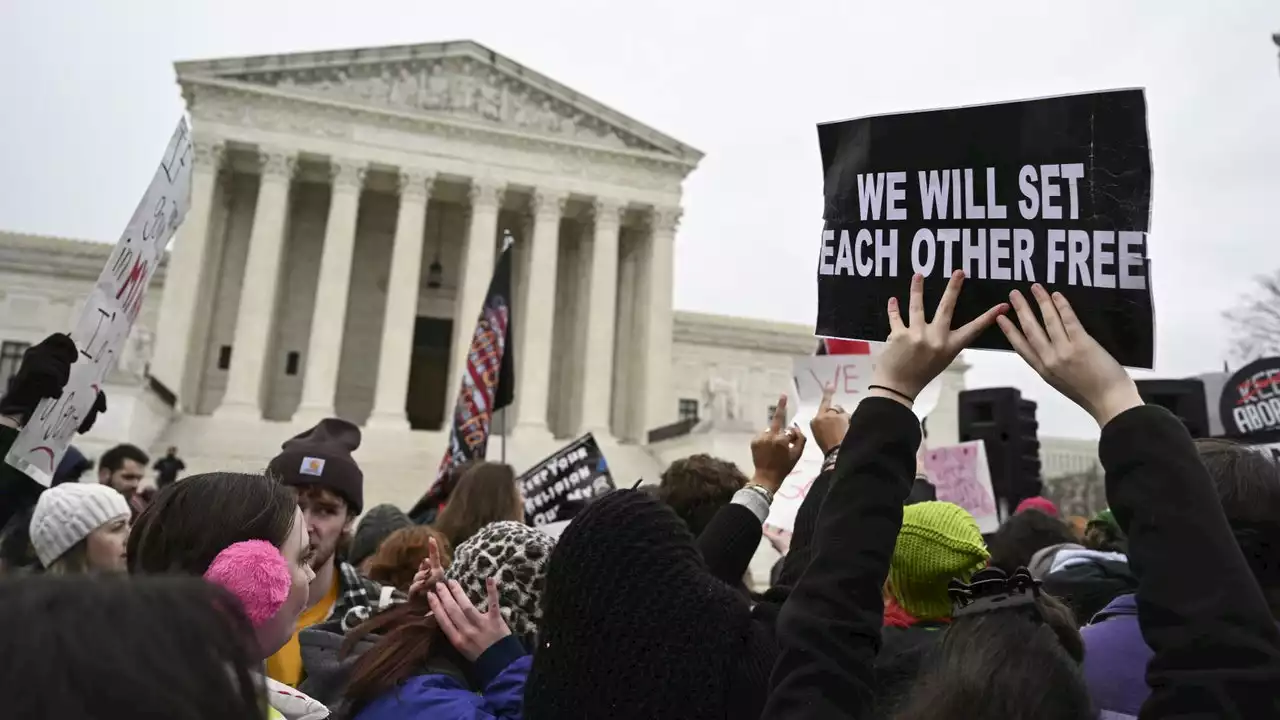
(75, 561)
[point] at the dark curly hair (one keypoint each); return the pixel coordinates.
(697, 486)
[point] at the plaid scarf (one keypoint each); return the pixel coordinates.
(359, 597)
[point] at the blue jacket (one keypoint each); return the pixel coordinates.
(1115, 659)
(500, 671)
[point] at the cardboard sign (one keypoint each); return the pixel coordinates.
(1055, 191)
(109, 312)
(961, 475)
(851, 375)
(1250, 400)
(559, 487)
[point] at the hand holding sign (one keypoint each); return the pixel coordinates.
(776, 451)
(830, 424)
(45, 369)
(1068, 358)
(917, 351)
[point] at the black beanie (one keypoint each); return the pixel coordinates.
(635, 626)
(322, 456)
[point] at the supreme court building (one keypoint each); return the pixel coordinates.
(347, 210)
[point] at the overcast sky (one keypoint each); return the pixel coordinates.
(89, 99)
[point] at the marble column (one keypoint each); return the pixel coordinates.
(602, 302)
(659, 402)
(256, 313)
(171, 361)
(482, 238)
(329, 312)
(402, 303)
(534, 358)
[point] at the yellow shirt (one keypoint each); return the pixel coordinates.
(286, 665)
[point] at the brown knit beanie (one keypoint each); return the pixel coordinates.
(322, 456)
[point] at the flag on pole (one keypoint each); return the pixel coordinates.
(488, 385)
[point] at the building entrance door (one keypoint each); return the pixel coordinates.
(428, 370)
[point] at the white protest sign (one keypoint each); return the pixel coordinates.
(850, 374)
(109, 312)
(961, 475)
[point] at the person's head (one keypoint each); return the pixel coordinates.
(375, 527)
(697, 486)
(80, 528)
(1248, 484)
(512, 553)
(635, 626)
(330, 485)
(486, 493)
(271, 584)
(1022, 535)
(1103, 533)
(105, 644)
(172, 452)
(190, 522)
(398, 557)
(938, 542)
(1043, 504)
(123, 467)
(1010, 662)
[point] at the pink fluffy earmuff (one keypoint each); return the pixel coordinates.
(256, 572)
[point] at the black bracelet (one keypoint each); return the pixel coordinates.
(899, 393)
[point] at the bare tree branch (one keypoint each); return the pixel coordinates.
(1255, 321)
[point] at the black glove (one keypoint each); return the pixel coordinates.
(99, 406)
(45, 369)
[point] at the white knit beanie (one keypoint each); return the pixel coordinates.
(65, 514)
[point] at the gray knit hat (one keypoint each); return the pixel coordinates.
(516, 556)
(67, 513)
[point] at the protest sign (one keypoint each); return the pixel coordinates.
(960, 475)
(109, 312)
(1055, 191)
(850, 374)
(557, 488)
(1250, 401)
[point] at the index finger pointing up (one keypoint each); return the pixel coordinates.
(779, 415)
(828, 391)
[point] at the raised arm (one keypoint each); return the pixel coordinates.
(829, 626)
(1217, 649)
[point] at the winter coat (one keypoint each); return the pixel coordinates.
(1086, 580)
(499, 674)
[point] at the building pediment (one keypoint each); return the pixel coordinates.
(460, 80)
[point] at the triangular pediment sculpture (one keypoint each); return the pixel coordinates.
(457, 80)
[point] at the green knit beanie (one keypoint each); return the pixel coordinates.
(938, 541)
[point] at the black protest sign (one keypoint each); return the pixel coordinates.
(1055, 191)
(560, 486)
(1250, 402)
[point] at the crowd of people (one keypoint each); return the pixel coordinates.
(232, 595)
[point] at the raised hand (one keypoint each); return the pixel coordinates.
(430, 572)
(470, 631)
(916, 351)
(830, 423)
(45, 369)
(1067, 357)
(776, 451)
(780, 539)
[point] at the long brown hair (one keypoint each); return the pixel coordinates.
(409, 632)
(398, 557)
(486, 493)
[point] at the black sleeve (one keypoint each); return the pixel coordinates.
(17, 491)
(1217, 649)
(797, 557)
(829, 627)
(729, 542)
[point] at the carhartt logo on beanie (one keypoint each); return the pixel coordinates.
(938, 541)
(322, 456)
(66, 514)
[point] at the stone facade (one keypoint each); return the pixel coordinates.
(347, 211)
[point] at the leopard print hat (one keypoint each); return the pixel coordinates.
(516, 555)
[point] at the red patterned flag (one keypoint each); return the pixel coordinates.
(836, 346)
(488, 385)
